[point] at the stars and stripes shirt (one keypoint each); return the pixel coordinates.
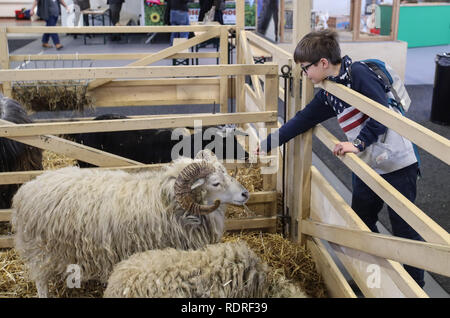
(324, 105)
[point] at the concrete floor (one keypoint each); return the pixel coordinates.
(419, 73)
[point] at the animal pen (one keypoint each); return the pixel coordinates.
(317, 212)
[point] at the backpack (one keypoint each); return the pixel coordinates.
(393, 84)
(395, 88)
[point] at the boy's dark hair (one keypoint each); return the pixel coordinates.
(316, 45)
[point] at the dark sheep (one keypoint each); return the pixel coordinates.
(156, 145)
(15, 156)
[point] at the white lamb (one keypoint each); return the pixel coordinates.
(96, 218)
(225, 270)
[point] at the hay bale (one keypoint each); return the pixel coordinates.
(52, 95)
(286, 259)
(289, 264)
(53, 161)
(14, 281)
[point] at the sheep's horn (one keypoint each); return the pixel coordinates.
(206, 155)
(183, 192)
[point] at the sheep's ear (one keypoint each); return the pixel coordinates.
(197, 183)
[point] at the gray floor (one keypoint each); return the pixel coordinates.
(432, 189)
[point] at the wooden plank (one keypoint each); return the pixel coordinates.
(137, 72)
(328, 206)
(248, 54)
(254, 103)
(423, 137)
(240, 79)
(250, 223)
(271, 104)
(176, 48)
(302, 19)
(422, 223)
(6, 241)
(111, 56)
(304, 151)
(4, 61)
(336, 283)
(395, 17)
(165, 82)
(134, 124)
(429, 256)
(240, 14)
(275, 51)
(262, 197)
(114, 29)
(18, 177)
(156, 95)
(153, 102)
(356, 20)
(5, 215)
(72, 149)
(223, 59)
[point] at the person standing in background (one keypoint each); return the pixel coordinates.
(49, 10)
(115, 6)
(269, 10)
(178, 16)
(80, 5)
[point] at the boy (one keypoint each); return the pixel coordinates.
(385, 151)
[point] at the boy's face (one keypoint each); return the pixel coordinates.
(315, 70)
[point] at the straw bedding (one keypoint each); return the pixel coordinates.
(48, 96)
(287, 261)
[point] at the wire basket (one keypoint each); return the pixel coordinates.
(53, 95)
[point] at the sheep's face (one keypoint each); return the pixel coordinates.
(210, 177)
(221, 186)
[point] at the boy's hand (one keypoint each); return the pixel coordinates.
(343, 147)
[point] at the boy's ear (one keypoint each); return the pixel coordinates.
(325, 62)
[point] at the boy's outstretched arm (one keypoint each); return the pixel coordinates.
(314, 113)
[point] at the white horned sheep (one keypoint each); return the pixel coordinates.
(224, 270)
(96, 218)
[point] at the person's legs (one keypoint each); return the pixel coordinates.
(366, 203)
(185, 21)
(115, 12)
(178, 17)
(274, 5)
(404, 180)
(77, 11)
(46, 36)
(264, 18)
(52, 22)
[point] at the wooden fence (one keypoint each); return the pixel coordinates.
(137, 84)
(317, 211)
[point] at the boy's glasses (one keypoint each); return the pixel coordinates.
(305, 68)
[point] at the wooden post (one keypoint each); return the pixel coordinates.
(240, 58)
(305, 153)
(302, 19)
(281, 28)
(300, 152)
(395, 17)
(271, 88)
(223, 59)
(356, 19)
(4, 60)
